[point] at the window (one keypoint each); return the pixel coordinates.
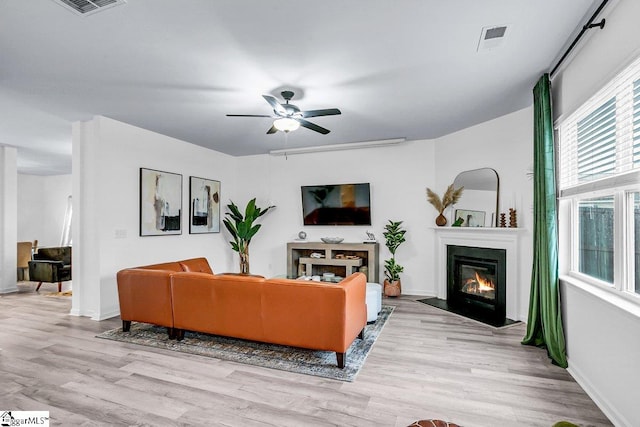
(599, 178)
(595, 241)
(634, 235)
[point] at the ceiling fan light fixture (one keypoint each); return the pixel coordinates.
(288, 117)
(286, 124)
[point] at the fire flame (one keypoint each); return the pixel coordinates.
(484, 284)
(478, 285)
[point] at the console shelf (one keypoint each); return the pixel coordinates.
(300, 262)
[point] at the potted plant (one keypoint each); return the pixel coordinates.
(450, 197)
(394, 236)
(242, 229)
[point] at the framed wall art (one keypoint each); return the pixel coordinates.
(470, 218)
(160, 203)
(204, 207)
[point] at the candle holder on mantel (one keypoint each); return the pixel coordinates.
(503, 220)
(513, 220)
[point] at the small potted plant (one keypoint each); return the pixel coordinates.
(394, 237)
(242, 229)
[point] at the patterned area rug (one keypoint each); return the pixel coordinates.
(299, 360)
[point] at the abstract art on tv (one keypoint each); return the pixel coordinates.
(204, 209)
(160, 203)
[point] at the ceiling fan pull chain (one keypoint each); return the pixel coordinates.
(286, 140)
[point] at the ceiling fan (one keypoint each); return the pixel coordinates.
(288, 117)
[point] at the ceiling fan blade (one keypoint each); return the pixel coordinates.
(271, 130)
(248, 115)
(279, 109)
(313, 126)
(325, 112)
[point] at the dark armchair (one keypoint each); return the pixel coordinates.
(51, 265)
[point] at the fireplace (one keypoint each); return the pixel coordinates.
(476, 282)
(473, 242)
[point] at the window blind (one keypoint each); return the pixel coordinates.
(596, 143)
(601, 139)
(636, 123)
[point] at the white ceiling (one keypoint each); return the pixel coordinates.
(402, 68)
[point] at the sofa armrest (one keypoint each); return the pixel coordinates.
(355, 303)
(145, 296)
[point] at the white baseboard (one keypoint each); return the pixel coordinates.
(602, 402)
(97, 317)
(417, 292)
(78, 313)
(103, 315)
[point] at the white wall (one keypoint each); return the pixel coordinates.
(42, 203)
(603, 350)
(602, 340)
(398, 176)
(107, 157)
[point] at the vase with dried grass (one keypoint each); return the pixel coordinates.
(450, 197)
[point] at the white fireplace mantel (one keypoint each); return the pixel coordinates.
(481, 237)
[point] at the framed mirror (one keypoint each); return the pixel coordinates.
(478, 205)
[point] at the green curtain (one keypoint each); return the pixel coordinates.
(544, 327)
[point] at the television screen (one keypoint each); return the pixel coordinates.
(340, 204)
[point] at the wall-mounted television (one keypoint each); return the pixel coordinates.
(339, 204)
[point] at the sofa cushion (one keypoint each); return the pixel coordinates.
(166, 266)
(196, 265)
(54, 254)
(221, 304)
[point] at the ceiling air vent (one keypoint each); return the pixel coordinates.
(88, 7)
(492, 37)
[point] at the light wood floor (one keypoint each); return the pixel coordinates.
(426, 364)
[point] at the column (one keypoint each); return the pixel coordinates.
(8, 219)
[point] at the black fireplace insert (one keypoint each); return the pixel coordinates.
(476, 281)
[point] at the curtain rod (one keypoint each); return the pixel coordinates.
(589, 25)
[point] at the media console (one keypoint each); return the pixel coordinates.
(341, 259)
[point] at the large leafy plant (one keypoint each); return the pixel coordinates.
(242, 228)
(394, 237)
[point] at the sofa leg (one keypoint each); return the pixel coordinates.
(361, 334)
(59, 287)
(179, 334)
(341, 359)
(172, 333)
(38, 287)
(126, 325)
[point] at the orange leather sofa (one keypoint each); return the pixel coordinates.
(318, 316)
